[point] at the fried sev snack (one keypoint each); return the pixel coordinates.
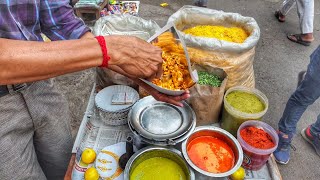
(175, 75)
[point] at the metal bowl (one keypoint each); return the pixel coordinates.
(150, 152)
(222, 135)
(167, 142)
(160, 121)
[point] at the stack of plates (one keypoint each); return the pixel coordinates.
(161, 123)
(114, 114)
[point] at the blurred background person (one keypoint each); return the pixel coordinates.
(305, 9)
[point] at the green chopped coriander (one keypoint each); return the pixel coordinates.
(206, 78)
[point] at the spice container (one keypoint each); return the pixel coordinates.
(252, 105)
(206, 151)
(254, 158)
(158, 163)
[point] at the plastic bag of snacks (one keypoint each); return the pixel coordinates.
(121, 25)
(231, 46)
(207, 95)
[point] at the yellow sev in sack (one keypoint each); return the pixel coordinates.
(236, 59)
(231, 34)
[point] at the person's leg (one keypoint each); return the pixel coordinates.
(304, 96)
(305, 10)
(306, 93)
(18, 159)
(201, 3)
(312, 132)
(312, 135)
(315, 128)
(52, 139)
(287, 5)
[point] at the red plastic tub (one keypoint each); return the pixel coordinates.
(255, 158)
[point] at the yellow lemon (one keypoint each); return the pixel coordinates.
(88, 156)
(91, 174)
(239, 174)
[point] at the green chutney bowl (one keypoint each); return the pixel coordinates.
(151, 152)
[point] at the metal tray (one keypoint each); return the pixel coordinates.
(160, 121)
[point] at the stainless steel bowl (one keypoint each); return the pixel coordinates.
(167, 142)
(160, 121)
(222, 135)
(152, 151)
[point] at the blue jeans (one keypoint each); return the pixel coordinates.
(306, 94)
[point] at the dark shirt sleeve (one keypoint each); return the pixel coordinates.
(59, 22)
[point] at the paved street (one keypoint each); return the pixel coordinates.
(276, 65)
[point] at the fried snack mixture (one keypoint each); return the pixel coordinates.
(175, 68)
(231, 34)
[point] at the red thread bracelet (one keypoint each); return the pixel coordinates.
(104, 50)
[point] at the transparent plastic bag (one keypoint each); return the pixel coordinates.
(125, 25)
(121, 25)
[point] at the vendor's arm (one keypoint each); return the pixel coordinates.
(22, 61)
(58, 22)
(27, 61)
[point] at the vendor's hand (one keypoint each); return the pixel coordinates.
(176, 100)
(134, 57)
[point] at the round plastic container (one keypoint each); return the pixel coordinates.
(255, 158)
(233, 118)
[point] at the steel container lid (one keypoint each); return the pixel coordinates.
(160, 121)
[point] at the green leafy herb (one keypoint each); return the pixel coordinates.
(206, 78)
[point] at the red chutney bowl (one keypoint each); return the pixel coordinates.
(255, 158)
(212, 135)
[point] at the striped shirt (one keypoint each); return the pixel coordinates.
(27, 19)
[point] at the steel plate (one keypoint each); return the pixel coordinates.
(160, 121)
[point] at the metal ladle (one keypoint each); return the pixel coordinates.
(129, 152)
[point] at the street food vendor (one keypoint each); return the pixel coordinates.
(35, 137)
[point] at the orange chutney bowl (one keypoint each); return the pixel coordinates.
(212, 151)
